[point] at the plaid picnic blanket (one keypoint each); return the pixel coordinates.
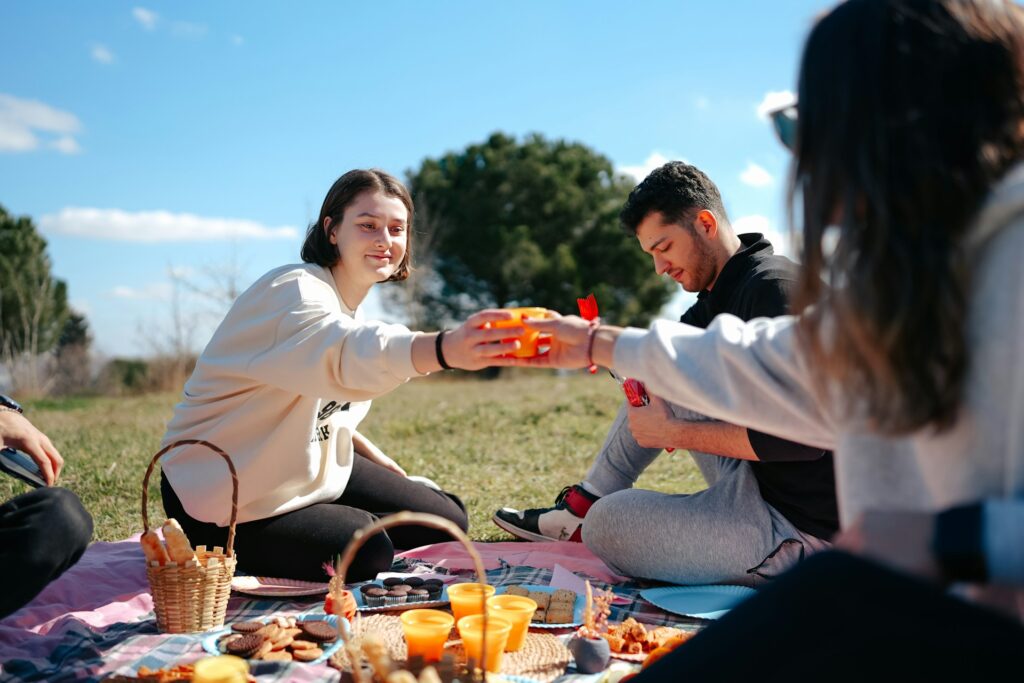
(86, 653)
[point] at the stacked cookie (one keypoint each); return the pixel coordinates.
(552, 608)
(395, 591)
(283, 640)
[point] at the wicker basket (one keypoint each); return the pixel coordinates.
(399, 519)
(194, 596)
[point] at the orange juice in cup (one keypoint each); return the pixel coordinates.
(471, 629)
(518, 610)
(530, 339)
(426, 631)
(468, 598)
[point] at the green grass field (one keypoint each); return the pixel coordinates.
(513, 441)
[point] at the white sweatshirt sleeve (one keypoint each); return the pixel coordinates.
(316, 350)
(747, 373)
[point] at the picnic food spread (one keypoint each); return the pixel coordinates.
(552, 608)
(283, 639)
(631, 637)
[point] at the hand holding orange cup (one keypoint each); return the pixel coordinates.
(471, 629)
(519, 611)
(468, 598)
(426, 632)
(530, 339)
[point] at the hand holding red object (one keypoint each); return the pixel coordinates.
(588, 311)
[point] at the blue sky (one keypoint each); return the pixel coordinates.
(148, 137)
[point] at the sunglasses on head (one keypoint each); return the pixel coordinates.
(784, 122)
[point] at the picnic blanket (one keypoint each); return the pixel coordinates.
(97, 619)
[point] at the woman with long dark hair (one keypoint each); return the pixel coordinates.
(908, 360)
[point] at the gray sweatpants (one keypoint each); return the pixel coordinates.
(726, 533)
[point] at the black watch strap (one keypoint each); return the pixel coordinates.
(8, 402)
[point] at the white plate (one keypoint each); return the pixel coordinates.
(267, 587)
(210, 641)
(702, 602)
(363, 607)
(577, 608)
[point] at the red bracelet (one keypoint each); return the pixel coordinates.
(594, 324)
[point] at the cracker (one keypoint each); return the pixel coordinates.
(564, 596)
(558, 615)
(517, 590)
(278, 656)
(306, 655)
(542, 599)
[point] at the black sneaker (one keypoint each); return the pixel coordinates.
(563, 522)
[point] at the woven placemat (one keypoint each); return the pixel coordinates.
(543, 657)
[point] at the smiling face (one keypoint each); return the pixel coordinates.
(371, 238)
(683, 252)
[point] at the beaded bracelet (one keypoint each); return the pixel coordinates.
(595, 323)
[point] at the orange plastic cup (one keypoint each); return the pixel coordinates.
(468, 598)
(530, 339)
(518, 610)
(471, 629)
(426, 632)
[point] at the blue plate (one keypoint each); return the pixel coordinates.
(424, 604)
(210, 641)
(702, 602)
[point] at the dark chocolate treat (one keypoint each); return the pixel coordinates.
(247, 626)
(392, 581)
(432, 582)
(418, 595)
(401, 588)
(434, 593)
(246, 646)
(375, 591)
(318, 631)
(414, 582)
(366, 588)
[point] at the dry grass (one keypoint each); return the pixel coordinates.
(514, 441)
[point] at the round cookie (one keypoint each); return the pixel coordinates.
(318, 631)
(245, 646)
(308, 654)
(247, 626)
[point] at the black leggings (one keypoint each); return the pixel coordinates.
(42, 533)
(295, 545)
(836, 617)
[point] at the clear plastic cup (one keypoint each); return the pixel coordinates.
(518, 610)
(468, 598)
(471, 629)
(426, 632)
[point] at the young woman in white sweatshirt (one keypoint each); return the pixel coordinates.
(284, 383)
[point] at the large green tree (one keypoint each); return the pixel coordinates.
(33, 304)
(526, 223)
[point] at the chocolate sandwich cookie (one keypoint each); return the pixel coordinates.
(247, 626)
(245, 646)
(318, 631)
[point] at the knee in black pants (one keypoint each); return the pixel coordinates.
(64, 529)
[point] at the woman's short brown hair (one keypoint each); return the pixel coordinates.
(317, 248)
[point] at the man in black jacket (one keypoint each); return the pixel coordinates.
(42, 532)
(769, 501)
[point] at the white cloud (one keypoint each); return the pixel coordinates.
(237, 40)
(641, 171)
(66, 145)
(158, 291)
(156, 226)
(102, 54)
(146, 17)
(756, 223)
(21, 122)
(775, 99)
(188, 30)
(756, 176)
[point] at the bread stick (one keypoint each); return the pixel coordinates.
(153, 548)
(178, 547)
